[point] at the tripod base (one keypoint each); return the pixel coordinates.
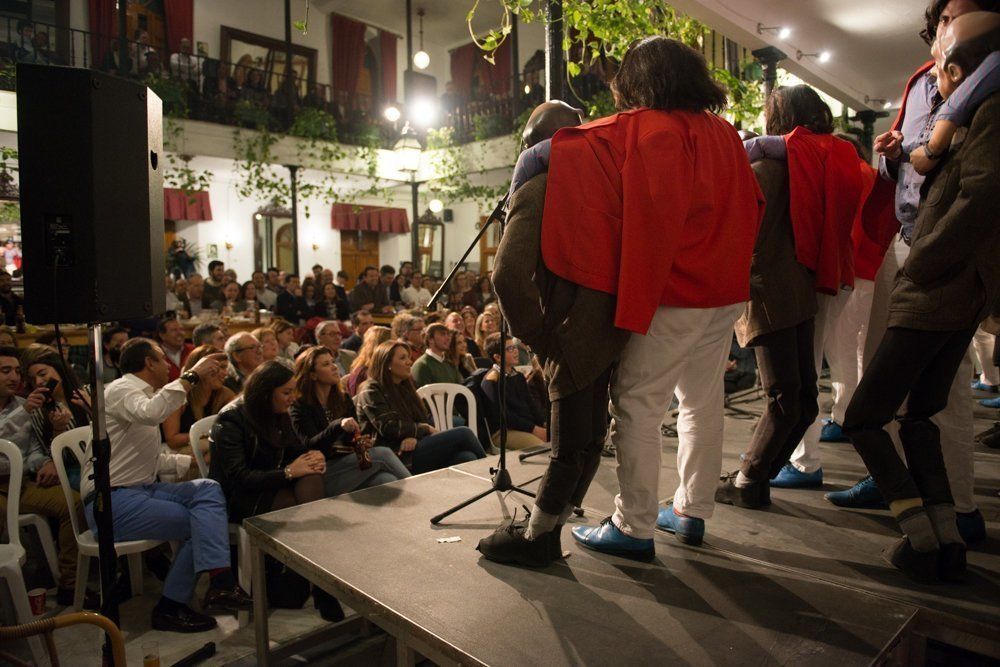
(501, 483)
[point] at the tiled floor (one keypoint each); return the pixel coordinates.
(801, 536)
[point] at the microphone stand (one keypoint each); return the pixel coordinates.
(500, 476)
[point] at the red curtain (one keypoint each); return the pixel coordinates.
(103, 27)
(350, 217)
(348, 53)
(496, 78)
(179, 18)
(179, 205)
(463, 63)
(387, 45)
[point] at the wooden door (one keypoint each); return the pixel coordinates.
(488, 243)
(357, 250)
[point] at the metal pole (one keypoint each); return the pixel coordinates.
(123, 39)
(769, 57)
(515, 63)
(409, 35)
(289, 75)
(293, 172)
(553, 51)
(101, 451)
(415, 227)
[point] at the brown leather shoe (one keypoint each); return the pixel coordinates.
(227, 599)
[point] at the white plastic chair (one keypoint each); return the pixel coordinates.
(440, 396)
(12, 554)
(41, 526)
(199, 430)
(75, 441)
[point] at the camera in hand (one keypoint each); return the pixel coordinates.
(50, 399)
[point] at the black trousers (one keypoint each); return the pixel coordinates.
(788, 375)
(578, 424)
(922, 364)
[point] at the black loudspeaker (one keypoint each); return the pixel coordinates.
(89, 147)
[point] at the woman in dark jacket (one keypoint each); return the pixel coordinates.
(324, 419)
(259, 462)
(390, 410)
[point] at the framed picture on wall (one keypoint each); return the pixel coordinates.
(212, 251)
(248, 51)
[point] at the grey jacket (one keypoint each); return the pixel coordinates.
(951, 278)
(570, 328)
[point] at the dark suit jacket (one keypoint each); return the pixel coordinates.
(951, 279)
(292, 308)
(782, 291)
(570, 328)
(363, 294)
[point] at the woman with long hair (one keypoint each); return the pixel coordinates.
(248, 294)
(68, 403)
(204, 400)
(331, 306)
(486, 324)
(324, 419)
(459, 288)
(258, 460)
(374, 337)
(458, 354)
(480, 295)
(284, 332)
(390, 411)
(469, 316)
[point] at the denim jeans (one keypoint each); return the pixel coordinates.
(343, 475)
(447, 448)
(192, 513)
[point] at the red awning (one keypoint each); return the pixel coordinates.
(348, 217)
(179, 205)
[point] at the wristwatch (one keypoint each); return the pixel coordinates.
(191, 377)
(931, 155)
(288, 473)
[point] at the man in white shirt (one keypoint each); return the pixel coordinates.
(416, 295)
(265, 296)
(191, 513)
(185, 66)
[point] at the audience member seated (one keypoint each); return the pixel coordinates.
(409, 329)
(269, 345)
(369, 294)
(469, 318)
(112, 340)
(10, 302)
(361, 321)
(324, 419)
(213, 284)
(486, 325)
(248, 294)
(7, 337)
(458, 355)
(49, 339)
(459, 289)
(170, 335)
(332, 306)
(374, 337)
(206, 399)
(230, 304)
(480, 295)
(284, 333)
(434, 365)
(67, 404)
(184, 65)
(266, 297)
(399, 284)
(290, 305)
(244, 353)
(208, 334)
(194, 300)
(40, 491)
(192, 514)
(390, 411)
(328, 335)
(311, 302)
(524, 422)
(416, 295)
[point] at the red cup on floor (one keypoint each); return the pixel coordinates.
(36, 598)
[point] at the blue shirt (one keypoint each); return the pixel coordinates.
(920, 104)
(530, 163)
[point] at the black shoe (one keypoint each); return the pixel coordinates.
(227, 599)
(754, 496)
(951, 562)
(182, 619)
(508, 545)
(328, 606)
(920, 566)
(990, 437)
(91, 600)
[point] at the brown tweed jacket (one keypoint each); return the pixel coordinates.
(570, 328)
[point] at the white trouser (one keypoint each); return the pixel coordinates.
(955, 421)
(684, 351)
(982, 347)
(841, 328)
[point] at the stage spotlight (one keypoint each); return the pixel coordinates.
(421, 60)
(436, 206)
(392, 114)
(423, 112)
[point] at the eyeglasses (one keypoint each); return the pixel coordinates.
(252, 347)
(511, 348)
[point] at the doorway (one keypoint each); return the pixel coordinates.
(358, 249)
(274, 241)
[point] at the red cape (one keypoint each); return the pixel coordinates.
(867, 254)
(824, 197)
(660, 208)
(879, 216)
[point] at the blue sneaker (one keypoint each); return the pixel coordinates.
(863, 495)
(608, 539)
(971, 526)
(791, 477)
(688, 529)
(982, 386)
(990, 402)
(832, 432)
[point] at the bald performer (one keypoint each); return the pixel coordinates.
(547, 119)
(570, 328)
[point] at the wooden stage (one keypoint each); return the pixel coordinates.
(800, 583)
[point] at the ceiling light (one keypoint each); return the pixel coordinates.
(887, 105)
(436, 206)
(392, 114)
(420, 59)
(822, 56)
(783, 32)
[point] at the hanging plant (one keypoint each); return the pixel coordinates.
(303, 25)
